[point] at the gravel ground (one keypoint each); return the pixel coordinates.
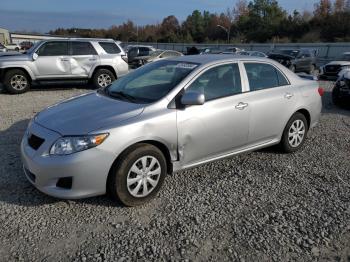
(264, 205)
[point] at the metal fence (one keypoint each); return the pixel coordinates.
(325, 51)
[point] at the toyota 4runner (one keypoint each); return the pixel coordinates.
(99, 61)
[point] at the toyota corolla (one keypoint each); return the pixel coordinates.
(164, 117)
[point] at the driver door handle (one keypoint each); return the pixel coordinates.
(65, 59)
(288, 95)
(241, 106)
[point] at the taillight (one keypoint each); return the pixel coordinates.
(125, 58)
(321, 91)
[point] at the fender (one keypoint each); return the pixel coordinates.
(24, 67)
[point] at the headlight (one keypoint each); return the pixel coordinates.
(345, 67)
(72, 144)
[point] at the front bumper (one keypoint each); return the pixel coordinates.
(88, 169)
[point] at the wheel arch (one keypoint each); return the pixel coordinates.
(161, 146)
(108, 67)
(3, 71)
(307, 115)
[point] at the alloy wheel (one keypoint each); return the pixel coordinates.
(18, 82)
(104, 80)
(296, 133)
(143, 176)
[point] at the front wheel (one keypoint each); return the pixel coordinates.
(103, 78)
(138, 175)
(294, 134)
(16, 81)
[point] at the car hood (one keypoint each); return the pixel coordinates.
(339, 63)
(14, 56)
(86, 113)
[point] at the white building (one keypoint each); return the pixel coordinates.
(4, 36)
(17, 38)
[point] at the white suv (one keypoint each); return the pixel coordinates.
(99, 61)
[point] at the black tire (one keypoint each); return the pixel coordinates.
(17, 49)
(101, 74)
(285, 143)
(335, 96)
(117, 182)
(20, 87)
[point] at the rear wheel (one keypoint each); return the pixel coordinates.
(294, 134)
(103, 78)
(16, 81)
(138, 176)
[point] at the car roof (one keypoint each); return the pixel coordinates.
(211, 58)
(80, 39)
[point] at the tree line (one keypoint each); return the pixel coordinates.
(256, 21)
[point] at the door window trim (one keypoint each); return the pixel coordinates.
(209, 68)
(48, 42)
(267, 63)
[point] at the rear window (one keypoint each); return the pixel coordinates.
(110, 48)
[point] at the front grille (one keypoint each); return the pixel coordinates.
(30, 175)
(35, 142)
(333, 68)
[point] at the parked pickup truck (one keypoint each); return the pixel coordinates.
(99, 61)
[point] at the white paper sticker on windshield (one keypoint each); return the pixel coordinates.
(186, 66)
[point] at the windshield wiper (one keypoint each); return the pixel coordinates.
(119, 94)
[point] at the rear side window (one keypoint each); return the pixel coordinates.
(263, 76)
(53, 49)
(83, 48)
(143, 51)
(220, 81)
(110, 48)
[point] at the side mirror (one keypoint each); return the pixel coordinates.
(192, 98)
(35, 56)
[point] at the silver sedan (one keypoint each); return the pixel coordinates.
(164, 117)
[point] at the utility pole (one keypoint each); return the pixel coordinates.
(227, 30)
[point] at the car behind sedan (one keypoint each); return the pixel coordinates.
(164, 117)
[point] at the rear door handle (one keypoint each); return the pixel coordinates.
(241, 106)
(288, 95)
(65, 59)
(92, 59)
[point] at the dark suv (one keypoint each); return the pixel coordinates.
(297, 60)
(137, 51)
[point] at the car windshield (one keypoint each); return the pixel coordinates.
(345, 57)
(151, 82)
(156, 53)
(293, 53)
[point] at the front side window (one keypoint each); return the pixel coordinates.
(220, 81)
(263, 76)
(151, 82)
(110, 48)
(83, 48)
(53, 49)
